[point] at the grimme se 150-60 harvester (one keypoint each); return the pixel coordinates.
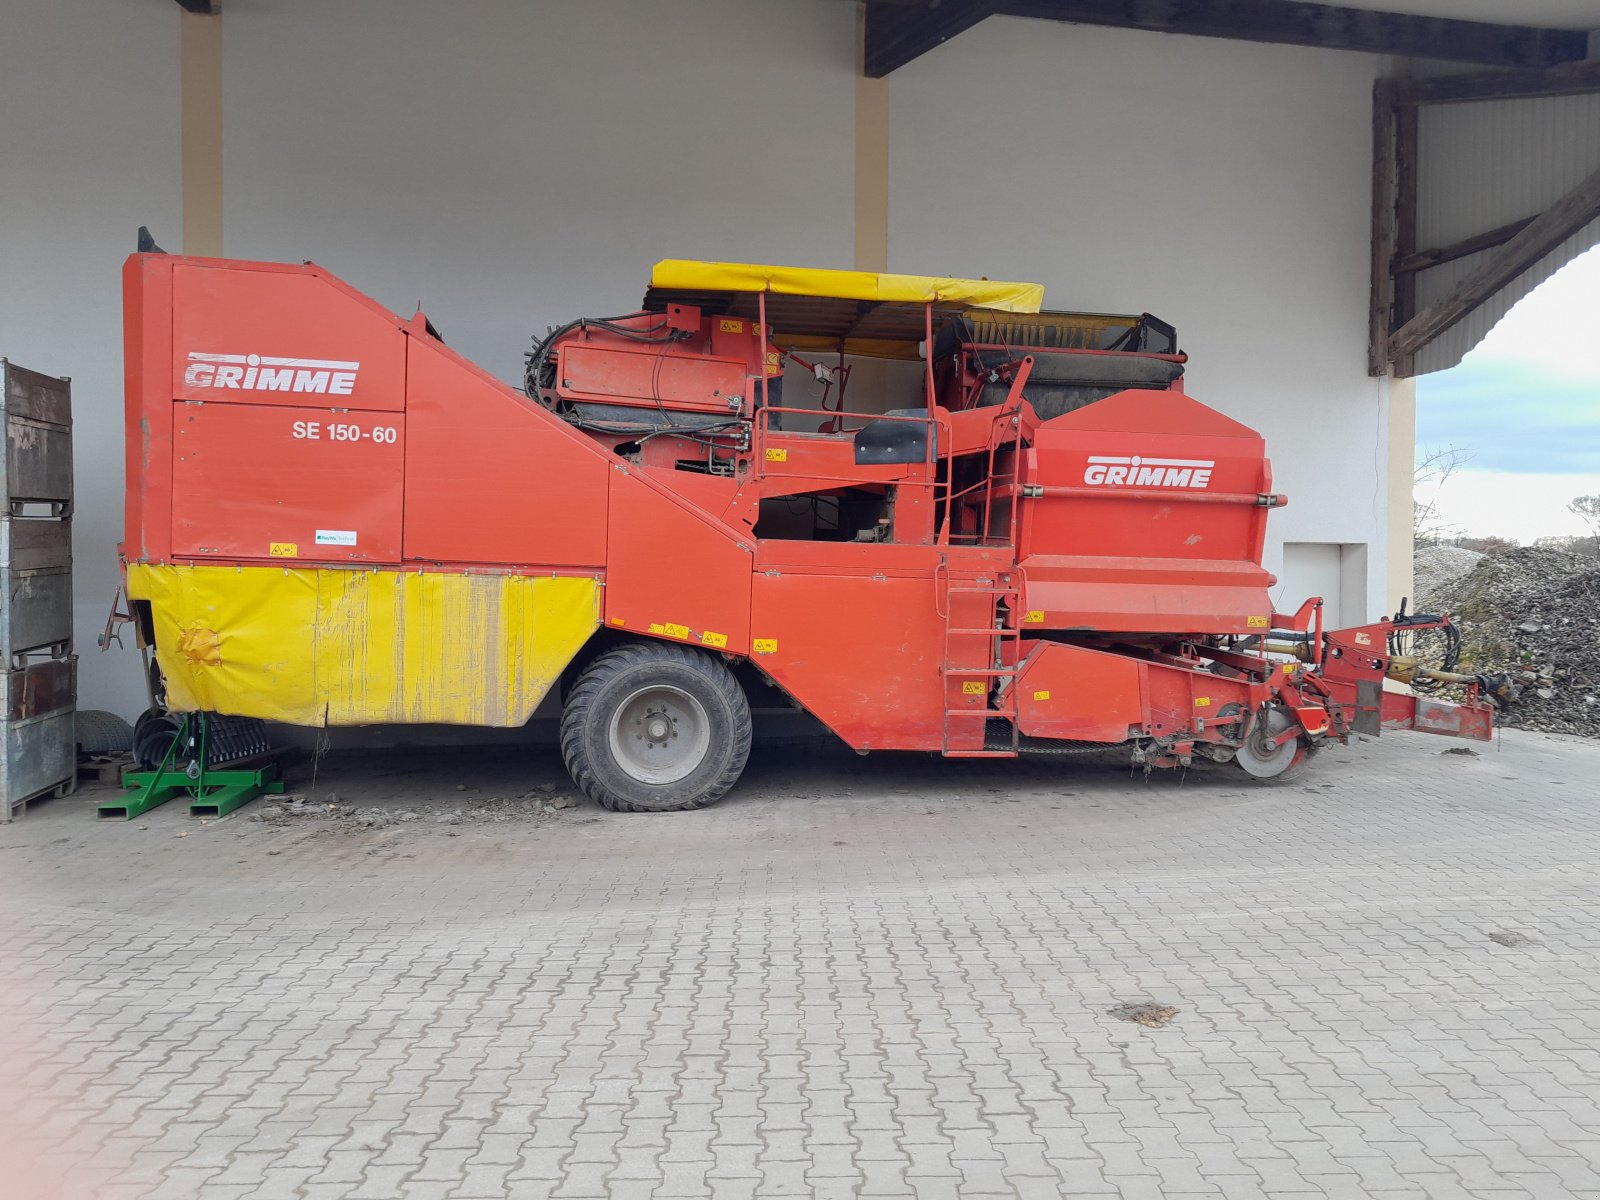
(1025, 538)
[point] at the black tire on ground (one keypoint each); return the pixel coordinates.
(654, 727)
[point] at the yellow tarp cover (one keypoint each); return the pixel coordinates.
(688, 275)
(327, 647)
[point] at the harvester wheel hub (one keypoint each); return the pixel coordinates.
(660, 734)
(1261, 758)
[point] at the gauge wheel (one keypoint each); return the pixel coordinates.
(1268, 763)
(654, 727)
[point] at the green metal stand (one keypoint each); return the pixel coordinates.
(216, 793)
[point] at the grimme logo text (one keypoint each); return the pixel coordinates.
(1149, 472)
(258, 373)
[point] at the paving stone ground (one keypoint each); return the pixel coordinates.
(881, 977)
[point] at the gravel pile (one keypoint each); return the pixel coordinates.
(1436, 570)
(1529, 612)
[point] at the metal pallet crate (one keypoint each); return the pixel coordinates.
(40, 753)
(36, 472)
(38, 672)
(36, 574)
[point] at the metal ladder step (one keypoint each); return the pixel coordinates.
(995, 638)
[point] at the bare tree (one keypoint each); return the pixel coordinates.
(1587, 510)
(1433, 467)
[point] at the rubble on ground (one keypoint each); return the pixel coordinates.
(1532, 613)
(539, 802)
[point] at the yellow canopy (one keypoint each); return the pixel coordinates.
(677, 274)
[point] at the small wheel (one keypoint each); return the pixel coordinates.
(653, 727)
(1269, 763)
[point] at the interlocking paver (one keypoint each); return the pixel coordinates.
(879, 978)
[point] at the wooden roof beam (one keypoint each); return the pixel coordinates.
(1543, 234)
(899, 31)
(1328, 26)
(1423, 260)
(1569, 79)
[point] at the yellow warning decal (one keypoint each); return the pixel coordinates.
(764, 645)
(777, 455)
(285, 550)
(1041, 695)
(1288, 668)
(727, 326)
(1257, 622)
(1202, 701)
(718, 640)
(1034, 616)
(973, 687)
(667, 629)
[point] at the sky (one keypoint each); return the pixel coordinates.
(1523, 411)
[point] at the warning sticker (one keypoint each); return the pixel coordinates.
(1257, 622)
(1041, 695)
(973, 687)
(1034, 616)
(1202, 701)
(719, 640)
(764, 645)
(777, 455)
(285, 550)
(667, 629)
(726, 325)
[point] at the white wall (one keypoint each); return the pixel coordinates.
(1223, 186)
(88, 153)
(515, 165)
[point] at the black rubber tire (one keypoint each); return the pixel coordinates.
(608, 681)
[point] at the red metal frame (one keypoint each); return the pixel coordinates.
(1093, 577)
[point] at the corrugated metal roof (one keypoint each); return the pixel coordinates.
(1486, 164)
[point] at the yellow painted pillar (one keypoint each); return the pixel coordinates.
(872, 161)
(869, 378)
(200, 53)
(1402, 395)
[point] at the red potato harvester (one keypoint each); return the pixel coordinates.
(1024, 537)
